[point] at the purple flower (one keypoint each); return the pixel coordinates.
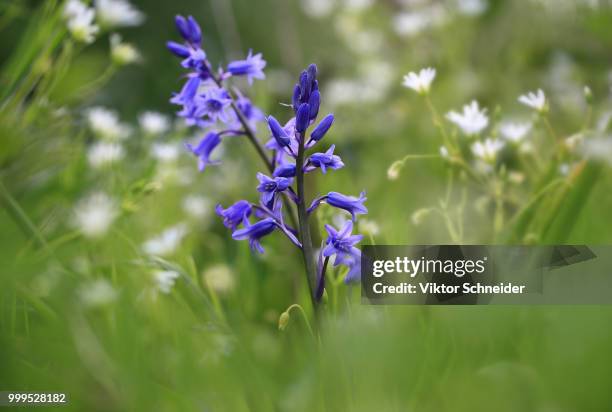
(319, 132)
(302, 118)
(252, 67)
(278, 133)
(189, 29)
(235, 214)
(353, 205)
(342, 244)
(325, 160)
(269, 187)
(188, 92)
(255, 232)
(285, 170)
(214, 103)
(314, 102)
(204, 149)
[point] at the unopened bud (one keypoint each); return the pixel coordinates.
(283, 320)
(394, 170)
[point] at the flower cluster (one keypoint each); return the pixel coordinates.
(205, 100)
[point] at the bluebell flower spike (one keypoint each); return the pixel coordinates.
(204, 149)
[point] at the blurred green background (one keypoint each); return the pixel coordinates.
(88, 317)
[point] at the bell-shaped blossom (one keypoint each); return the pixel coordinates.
(235, 214)
(254, 232)
(204, 149)
(251, 67)
(353, 205)
(269, 187)
(327, 160)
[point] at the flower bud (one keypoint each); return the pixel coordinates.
(283, 320)
(319, 132)
(394, 170)
(418, 216)
(314, 102)
(295, 100)
(194, 30)
(588, 95)
(182, 26)
(305, 85)
(178, 49)
(302, 118)
(278, 132)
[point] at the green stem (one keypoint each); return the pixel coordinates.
(301, 309)
(304, 228)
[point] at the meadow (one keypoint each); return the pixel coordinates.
(126, 286)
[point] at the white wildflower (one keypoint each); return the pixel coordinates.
(410, 24)
(420, 82)
(165, 279)
(317, 8)
(97, 293)
(369, 227)
(116, 13)
(101, 154)
(196, 206)
(535, 100)
(165, 152)
(167, 242)
(487, 150)
(514, 131)
(472, 7)
(105, 123)
(123, 53)
(598, 148)
(154, 123)
(94, 215)
(472, 121)
(219, 278)
(444, 152)
(80, 21)
(564, 169)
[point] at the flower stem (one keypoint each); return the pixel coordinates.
(304, 228)
(301, 309)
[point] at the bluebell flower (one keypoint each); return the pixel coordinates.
(302, 118)
(278, 133)
(188, 92)
(255, 232)
(189, 29)
(341, 243)
(353, 205)
(235, 214)
(204, 149)
(324, 161)
(319, 132)
(285, 170)
(215, 103)
(252, 67)
(269, 187)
